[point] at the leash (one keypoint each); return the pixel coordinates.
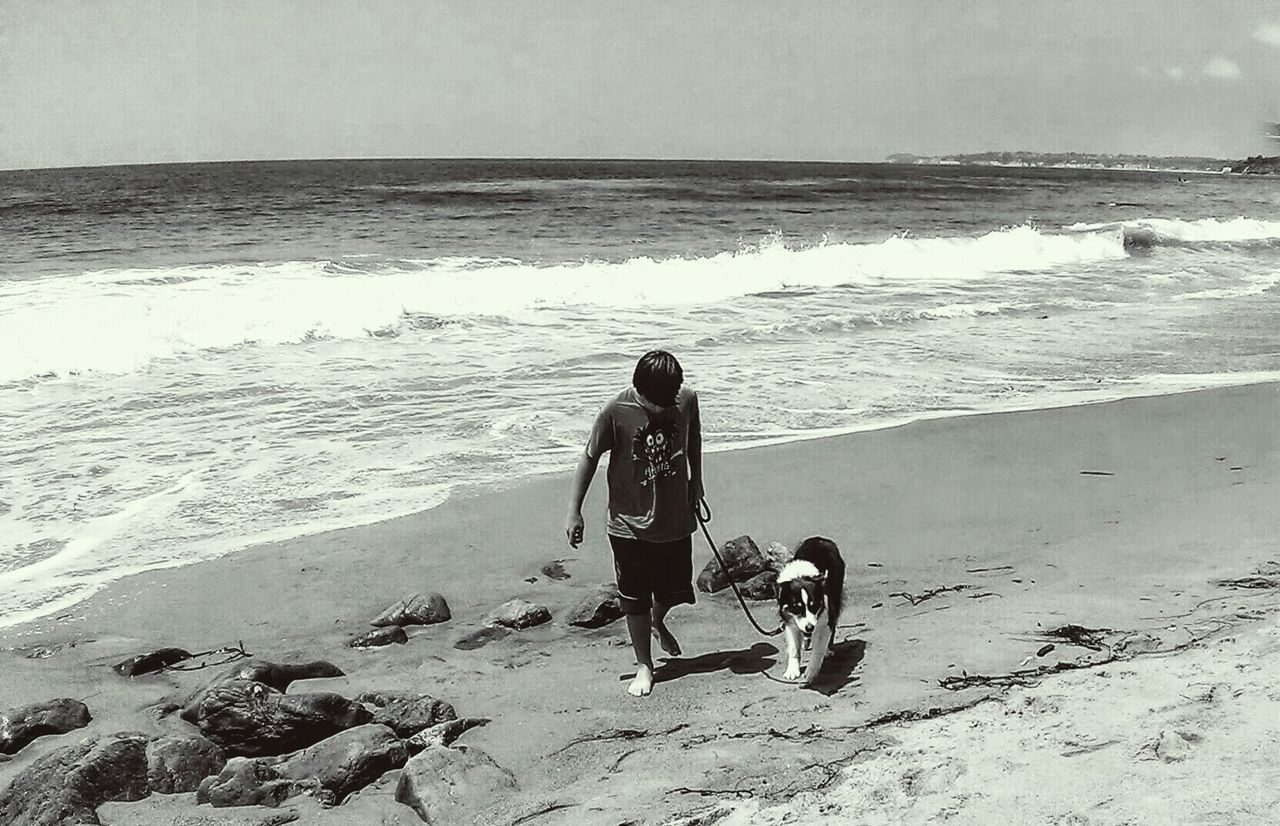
(703, 511)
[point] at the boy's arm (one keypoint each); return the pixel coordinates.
(582, 476)
(601, 439)
(693, 448)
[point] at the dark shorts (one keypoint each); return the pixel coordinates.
(649, 571)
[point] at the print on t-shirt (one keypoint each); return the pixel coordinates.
(655, 449)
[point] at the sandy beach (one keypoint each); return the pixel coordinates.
(968, 540)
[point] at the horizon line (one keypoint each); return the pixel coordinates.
(559, 159)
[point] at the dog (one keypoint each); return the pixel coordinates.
(810, 594)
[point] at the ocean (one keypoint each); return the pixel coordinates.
(197, 358)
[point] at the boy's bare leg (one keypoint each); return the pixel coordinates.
(640, 626)
(665, 638)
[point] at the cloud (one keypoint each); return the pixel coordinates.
(1268, 33)
(1145, 71)
(1222, 68)
(1174, 72)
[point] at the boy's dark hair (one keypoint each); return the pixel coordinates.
(658, 377)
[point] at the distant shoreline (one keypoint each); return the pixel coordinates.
(1256, 164)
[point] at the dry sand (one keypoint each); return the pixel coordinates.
(999, 504)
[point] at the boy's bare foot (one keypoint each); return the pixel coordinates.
(642, 685)
(666, 639)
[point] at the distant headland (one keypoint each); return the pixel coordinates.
(1257, 164)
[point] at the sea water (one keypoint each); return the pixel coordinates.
(197, 358)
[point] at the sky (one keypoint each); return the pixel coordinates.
(92, 82)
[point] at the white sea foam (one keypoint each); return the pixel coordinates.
(1203, 230)
(1213, 229)
(120, 321)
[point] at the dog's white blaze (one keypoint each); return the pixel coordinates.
(798, 569)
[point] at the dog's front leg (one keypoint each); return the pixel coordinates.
(817, 652)
(795, 644)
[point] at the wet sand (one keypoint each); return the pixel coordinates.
(1118, 516)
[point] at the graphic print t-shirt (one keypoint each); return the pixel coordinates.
(648, 465)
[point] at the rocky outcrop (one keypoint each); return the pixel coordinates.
(418, 609)
(406, 714)
(245, 782)
(443, 734)
(151, 662)
(519, 614)
(741, 557)
(1257, 165)
(761, 586)
(19, 726)
(597, 609)
(177, 763)
(347, 762)
(276, 675)
(450, 785)
(249, 718)
(388, 635)
(67, 786)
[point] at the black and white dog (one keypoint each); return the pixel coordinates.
(810, 592)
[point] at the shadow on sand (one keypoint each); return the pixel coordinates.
(837, 671)
(754, 660)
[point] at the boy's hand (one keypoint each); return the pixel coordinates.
(573, 528)
(695, 493)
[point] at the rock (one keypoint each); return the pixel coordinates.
(555, 570)
(19, 726)
(161, 709)
(443, 734)
(446, 785)
(281, 675)
(249, 718)
(177, 763)
(348, 761)
(776, 556)
(380, 636)
(151, 662)
(276, 675)
(406, 714)
(418, 609)
(481, 638)
(597, 609)
(743, 560)
(519, 614)
(67, 786)
(761, 586)
(245, 782)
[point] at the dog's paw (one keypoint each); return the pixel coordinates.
(792, 673)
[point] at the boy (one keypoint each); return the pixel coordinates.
(655, 479)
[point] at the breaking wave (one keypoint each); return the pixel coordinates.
(118, 321)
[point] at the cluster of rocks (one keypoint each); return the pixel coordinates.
(245, 741)
(250, 743)
(754, 572)
(597, 608)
